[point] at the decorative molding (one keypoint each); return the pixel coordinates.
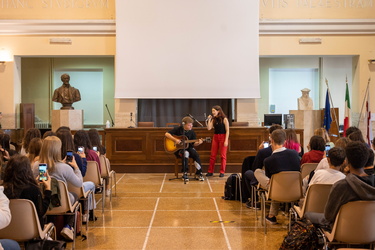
(266, 27)
(317, 27)
(57, 27)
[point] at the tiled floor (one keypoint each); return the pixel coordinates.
(151, 212)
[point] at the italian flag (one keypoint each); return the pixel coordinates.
(347, 110)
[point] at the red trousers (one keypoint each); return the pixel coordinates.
(218, 144)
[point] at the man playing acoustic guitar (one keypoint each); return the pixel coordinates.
(179, 135)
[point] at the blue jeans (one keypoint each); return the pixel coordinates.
(9, 244)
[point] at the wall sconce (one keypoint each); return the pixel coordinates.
(310, 40)
(5, 56)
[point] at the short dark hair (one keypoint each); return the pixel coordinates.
(357, 154)
(356, 136)
(274, 127)
(278, 136)
(351, 130)
(336, 156)
(370, 159)
(317, 143)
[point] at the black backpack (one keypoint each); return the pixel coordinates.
(232, 189)
(303, 235)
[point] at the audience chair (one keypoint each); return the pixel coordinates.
(354, 224)
(315, 201)
(172, 124)
(307, 168)
(93, 174)
(108, 174)
(66, 208)
(145, 124)
(83, 196)
(285, 187)
(177, 166)
(25, 225)
(240, 124)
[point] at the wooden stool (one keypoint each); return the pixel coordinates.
(177, 163)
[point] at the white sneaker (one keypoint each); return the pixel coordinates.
(108, 192)
(201, 178)
(68, 233)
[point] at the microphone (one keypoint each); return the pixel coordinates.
(192, 117)
(109, 113)
(131, 120)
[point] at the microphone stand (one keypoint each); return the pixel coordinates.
(192, 117)
(109, 113)
(131, 120)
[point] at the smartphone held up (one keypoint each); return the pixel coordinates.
(43, 172)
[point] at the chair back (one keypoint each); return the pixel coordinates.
(66, 205)
(316, 198)
(306, 169)
(24, 224)
(93, 174)
(285, 186)
(104, 169)
(145, 124)
(355, 223)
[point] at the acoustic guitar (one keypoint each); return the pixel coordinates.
(171, 147)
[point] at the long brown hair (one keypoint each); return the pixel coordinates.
(50, 152)
(18, 176)
(220, 116)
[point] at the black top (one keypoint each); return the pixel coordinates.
(286, 160)
(41, 203)
(190, 134)
(261, 155)
(219, 128)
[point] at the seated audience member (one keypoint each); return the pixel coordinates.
(95, 141)
(30, 134)
(34, 150)
(324, 133)
(282, 159)
(336, 159)
(19, 183)
(356, 186)
(316, 153)
(67, 144)
(48, 133)
(5, 143)
(291, 141)
(369, 166)
(81, 139)
(341, 143)
(350, 130)
(356, 136)
(5, 217)
(67, 172)
(262, 154)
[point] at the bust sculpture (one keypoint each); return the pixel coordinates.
(305, 102)
(66, 94)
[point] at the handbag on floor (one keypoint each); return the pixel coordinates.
(303, 235)
(45, 245)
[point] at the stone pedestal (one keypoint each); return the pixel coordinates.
(71, 118)
(308, 120)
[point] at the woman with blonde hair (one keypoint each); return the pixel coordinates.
(62, 170)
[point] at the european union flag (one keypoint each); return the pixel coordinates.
(327, 114)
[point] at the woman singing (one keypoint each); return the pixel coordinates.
(220, 123)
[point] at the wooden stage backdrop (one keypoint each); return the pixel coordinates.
(141, 150)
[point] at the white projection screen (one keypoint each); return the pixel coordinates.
(187, 49)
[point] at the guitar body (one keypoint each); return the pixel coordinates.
(170, 146)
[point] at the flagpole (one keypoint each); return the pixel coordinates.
(334, 113)
(364, 100)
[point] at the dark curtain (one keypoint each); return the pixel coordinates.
(162, 111)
